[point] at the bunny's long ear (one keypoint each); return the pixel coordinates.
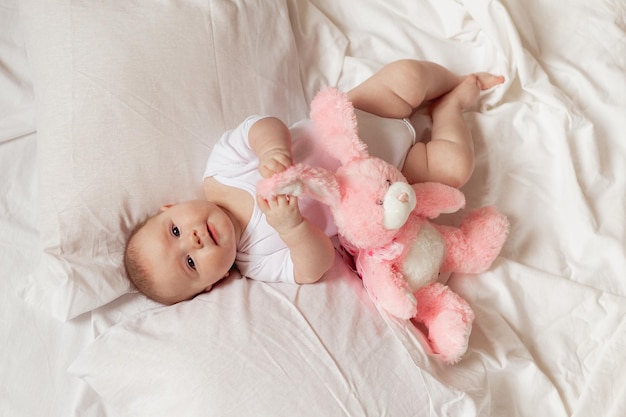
(301, 179)
(335, 123)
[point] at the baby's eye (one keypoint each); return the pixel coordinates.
(175, 231)
(191, 263)
(379, 202)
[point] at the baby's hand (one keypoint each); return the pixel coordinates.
(281, 211)
(274, 161)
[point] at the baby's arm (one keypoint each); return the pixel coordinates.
(311, 251)
(270, 140)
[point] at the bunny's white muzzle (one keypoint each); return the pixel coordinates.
(399, 201)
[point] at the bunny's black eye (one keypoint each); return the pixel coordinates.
(388, 183)
(379, 202)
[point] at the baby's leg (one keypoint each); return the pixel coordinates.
(401, 86)
(449, 156)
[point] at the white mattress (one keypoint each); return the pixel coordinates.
(550, 330)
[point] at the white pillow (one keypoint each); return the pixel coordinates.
(250, 348)
(131, 96)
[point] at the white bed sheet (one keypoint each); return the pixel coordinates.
(34, 348)
(550, 330)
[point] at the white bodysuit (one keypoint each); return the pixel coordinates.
(261, 254)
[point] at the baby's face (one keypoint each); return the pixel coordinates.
(187, 248)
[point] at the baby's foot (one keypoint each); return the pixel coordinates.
(486, 80)
(466, 95)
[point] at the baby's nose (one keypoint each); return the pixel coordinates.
(196, 240)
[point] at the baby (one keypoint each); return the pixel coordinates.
(188, 247)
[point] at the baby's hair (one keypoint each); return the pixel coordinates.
(136, 270)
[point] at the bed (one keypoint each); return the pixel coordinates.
(109, 110)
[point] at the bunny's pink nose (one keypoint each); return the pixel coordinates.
(403, 197)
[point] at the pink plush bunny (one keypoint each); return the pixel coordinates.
(383, 222)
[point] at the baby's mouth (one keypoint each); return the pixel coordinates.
(211, 235)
